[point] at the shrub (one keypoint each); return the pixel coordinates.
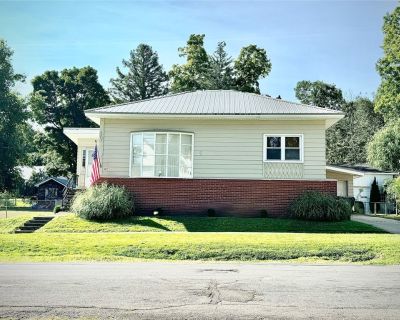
(103, 202)
(350, 200)
(320, 207)
(359, 207)
(264, 213)
(374, 196)
(211, 212)
(57, 209)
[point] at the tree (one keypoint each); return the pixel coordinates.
(145, 77)
(251, 65)
(59, 100)
(194, 74)
(13, 115)
(347, 140)
(320, 94)
(374, 196)
(384, 149)
(221, 69)
(393, 191)
(387, 99)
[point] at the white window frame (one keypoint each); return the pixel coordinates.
(180, 145)
(283, 147)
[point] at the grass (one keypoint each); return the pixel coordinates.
(288, 247)
(72, 224)
(11, 224)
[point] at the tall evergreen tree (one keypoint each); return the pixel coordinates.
(387, 99)
(221, 69)
(145, 77)
(374, 196)
(195, 73)
(251, 65)
(59, 100)
(13, 115)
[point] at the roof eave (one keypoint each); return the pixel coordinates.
(81, 133)
(330, 119)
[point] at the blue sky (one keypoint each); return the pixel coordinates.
(334, 41)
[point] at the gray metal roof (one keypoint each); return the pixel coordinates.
(213, 102)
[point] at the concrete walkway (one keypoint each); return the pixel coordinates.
(389, 225)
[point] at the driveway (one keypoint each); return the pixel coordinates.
(161, 290)
(389, 225)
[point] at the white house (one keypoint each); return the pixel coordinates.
(356, 180)
(232, 151)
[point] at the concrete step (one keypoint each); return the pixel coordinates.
(29, 228)
(33, 224)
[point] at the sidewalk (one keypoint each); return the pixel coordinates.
(388, 225)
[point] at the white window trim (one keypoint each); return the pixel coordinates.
(283, 137)
(162, 132)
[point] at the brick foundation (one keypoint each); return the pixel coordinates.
(227, 197)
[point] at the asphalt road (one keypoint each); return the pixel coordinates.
(198, 291)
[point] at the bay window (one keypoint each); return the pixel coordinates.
(161, 154)
(283, 148)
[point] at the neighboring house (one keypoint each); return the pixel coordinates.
(356, 180)
(51, 188)
(235, 152)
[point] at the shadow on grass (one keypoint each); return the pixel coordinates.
(236, 224)
(139, 221)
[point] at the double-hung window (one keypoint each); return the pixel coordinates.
(281, 147)
(161, 154)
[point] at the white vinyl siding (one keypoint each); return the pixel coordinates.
(222, 148)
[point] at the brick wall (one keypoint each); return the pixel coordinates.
(227, 197)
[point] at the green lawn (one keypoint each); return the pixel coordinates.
(288, 247)
(70, 223)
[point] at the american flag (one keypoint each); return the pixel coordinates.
(95, 170)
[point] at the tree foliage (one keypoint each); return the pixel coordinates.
(384, 149)
(13, 115)
(251, 65)
(320, 94)
(346, 141)
(387, 99)
(393, 189)
(145, 77)
(218, 71)
(59, 100)
(194, 74)
(221, 69)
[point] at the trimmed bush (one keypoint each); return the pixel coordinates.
(359, 207)
(103, 202)
(317, 206)
(211, 212)
(57, 209)
(264, 213)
